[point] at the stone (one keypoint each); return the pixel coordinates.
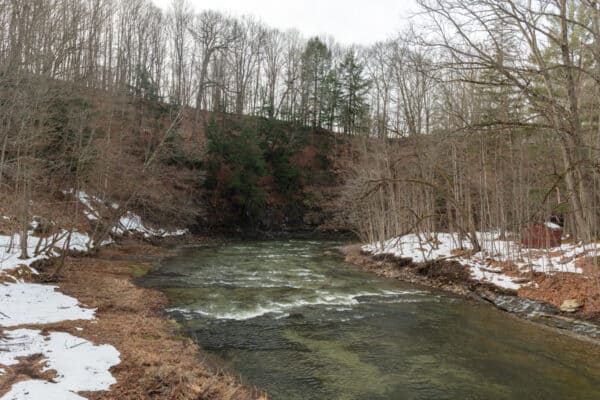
(571, 306)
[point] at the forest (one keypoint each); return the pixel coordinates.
(472, 135)
(482, 115)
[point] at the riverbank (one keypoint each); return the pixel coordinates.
(156, 360)
(453, 277)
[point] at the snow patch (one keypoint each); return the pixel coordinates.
(36, 389)
(10, 252)
(495, 249)
(553, 226)
(10, 249)
(28, 303)
(79, 364)
(131, 222)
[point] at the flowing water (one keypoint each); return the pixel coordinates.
(297, 322)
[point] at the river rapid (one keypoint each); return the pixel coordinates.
(293, 319)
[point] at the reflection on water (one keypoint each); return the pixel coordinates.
(299, 323)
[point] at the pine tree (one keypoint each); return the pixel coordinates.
(316, 63)
(332, 96)
(354, 87)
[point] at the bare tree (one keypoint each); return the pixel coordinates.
(212, 33)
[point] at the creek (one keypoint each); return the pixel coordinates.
(293, 319)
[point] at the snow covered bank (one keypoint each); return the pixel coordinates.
(45, 247)
(502, 262)
(79, 365)
(129, 222)
(39, 248)
(27, 304)
(76, 364)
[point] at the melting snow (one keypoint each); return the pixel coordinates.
(36, 389)
(422, 248)
(28, 303)
(79, 364)
(131, 222)
(10, 249)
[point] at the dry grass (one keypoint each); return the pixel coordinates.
(27, 368)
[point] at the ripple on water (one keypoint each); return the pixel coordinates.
(304, 325)
(242, 312)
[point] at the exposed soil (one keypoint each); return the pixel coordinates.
(449, 272)
(157, 361)
(446, 275)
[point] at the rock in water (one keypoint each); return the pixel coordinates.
(571, 305)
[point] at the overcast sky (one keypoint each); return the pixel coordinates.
(348, 21)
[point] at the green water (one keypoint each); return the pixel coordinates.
(296, 321)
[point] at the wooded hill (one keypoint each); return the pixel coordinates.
(482, 117)
(247, 173)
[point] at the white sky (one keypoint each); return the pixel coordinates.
(348, 21)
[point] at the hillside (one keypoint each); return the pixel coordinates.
(247, 173)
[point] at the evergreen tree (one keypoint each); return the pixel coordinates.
(235, 168)
(354, 87)
(316, 63)
(498, 100)
(333, 93)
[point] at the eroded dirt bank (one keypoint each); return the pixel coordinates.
(453, 277)
(157, 361)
